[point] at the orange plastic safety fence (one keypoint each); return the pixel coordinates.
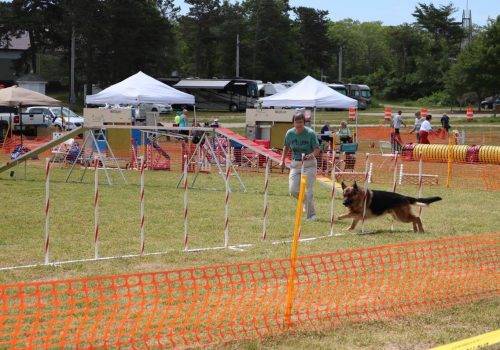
(216, 304)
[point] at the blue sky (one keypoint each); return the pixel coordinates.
(391, 12)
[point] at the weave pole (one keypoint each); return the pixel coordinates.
(266, 200)
(420, 181)
(448, 171)
(394, 180)
(141, 195)
(332, 197)
(96, 210)
(366, 195)
(185, 203)
(47, 209)
(292, 276)
(226, 206)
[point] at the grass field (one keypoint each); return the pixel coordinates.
(21, 231)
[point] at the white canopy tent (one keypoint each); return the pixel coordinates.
(140, 88)
(309, 92)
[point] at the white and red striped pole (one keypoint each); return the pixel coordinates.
(141, 195)
(332, 196)
(96, 210)
(420, 181)
(266, 200)
(366, 194)
(185, 203)
(47, 209)
(394, 179)
(226, 206)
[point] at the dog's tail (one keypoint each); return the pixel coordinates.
(424, 202)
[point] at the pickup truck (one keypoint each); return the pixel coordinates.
(71, 119)
(26, 121)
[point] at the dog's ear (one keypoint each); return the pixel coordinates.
(343, 185)
(355, 186)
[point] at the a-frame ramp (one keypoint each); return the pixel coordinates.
(43, 148)
(231, 135)
(274, 156)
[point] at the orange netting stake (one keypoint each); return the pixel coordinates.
(294, 250)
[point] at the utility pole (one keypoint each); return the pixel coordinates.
(237, 56)
(340, 63)
(72, 97)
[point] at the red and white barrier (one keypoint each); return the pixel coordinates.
(470, 114)
(388, 113)
(353, 113)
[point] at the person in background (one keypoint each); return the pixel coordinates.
(344, 133)
(445, 122)
(215, 123)
(416, 127)
(326, 134)
(425, 129)
(302, 140)
(177, 119)
(397, 121)
(183, 122)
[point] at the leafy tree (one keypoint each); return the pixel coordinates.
(197, 28)
(272, 41)
(313, 40)
(478, 66)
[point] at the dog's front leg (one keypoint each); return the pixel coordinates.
(353, 224)
(344, 216)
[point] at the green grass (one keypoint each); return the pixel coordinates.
(461, 212)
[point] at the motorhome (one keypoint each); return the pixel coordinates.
(361, 93)
(221, 94)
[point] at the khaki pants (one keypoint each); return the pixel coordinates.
(310, 168)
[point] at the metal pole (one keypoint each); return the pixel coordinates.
(72, 98)
(340, 63)
(237, 56)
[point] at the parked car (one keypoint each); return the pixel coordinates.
(71, 119)
(156, 107)
(490, 102)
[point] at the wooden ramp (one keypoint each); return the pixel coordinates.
(231, 135)
(41, 149)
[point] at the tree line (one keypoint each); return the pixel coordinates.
(116, 38)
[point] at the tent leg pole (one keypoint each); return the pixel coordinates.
(314, 119)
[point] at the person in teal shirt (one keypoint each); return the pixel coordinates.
(183, 122)
(302, 141)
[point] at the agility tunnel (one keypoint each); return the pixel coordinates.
(457, 153)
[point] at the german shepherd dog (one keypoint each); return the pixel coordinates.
(381, 202)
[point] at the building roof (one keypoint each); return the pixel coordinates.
(32, 78)
(18, 43)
